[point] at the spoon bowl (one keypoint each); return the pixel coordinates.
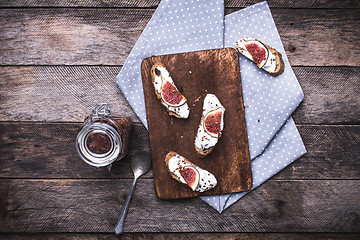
(140, 163)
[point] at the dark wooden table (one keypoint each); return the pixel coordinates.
(60, 58)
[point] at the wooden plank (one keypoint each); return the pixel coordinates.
(62, 36)
(47, 150)
(296, 4)
(95, 205)
(333, 153)
(69, 93)
(154, 3)
(69, 36)
(179, 236)
(332, 95)
(313, 37)
(81, 3)
(59, 93)
(205, 69)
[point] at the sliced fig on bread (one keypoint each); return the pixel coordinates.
(212, 122)
(265, 57)
(170, 94)
(186, 172)
(191, 176)
(210, 127)
(258, 51)
(167, 92)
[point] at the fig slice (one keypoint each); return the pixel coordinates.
(212, 122)
(191, 176)
(170, 94)
(258, 51)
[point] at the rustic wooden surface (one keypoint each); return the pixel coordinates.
(197, 74)
(60, 58)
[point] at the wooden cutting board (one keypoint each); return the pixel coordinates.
(195, 74)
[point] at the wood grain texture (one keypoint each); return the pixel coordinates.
(69, 93)
(69, 36)
(62, 36)
(94, 206)
(47, 150)
(333, 153)
(312, 37)
(196, 74)
(76, 202)
(154, 3)
(59, 93)
(179, 236)
(330, 93)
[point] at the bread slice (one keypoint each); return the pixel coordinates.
(274, 63)
(280, 66)
(175, 162)
(204, 141)
(181, 111)
(203, 153)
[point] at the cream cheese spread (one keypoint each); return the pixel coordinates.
(204, 140)
(206, 180)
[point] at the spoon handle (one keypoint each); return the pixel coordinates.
(120, 225)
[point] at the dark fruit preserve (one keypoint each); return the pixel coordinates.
(104, 138)
(98, 143)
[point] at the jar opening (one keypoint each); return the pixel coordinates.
(98, 144)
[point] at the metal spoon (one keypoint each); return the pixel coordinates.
(140, 164)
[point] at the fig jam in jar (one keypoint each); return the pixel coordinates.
(103, 138)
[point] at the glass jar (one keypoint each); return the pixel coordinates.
(103, 138)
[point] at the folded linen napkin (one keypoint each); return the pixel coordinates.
(269, 101)
(199, 25)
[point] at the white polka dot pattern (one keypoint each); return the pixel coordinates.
(176, 26)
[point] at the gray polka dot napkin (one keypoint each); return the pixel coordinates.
(183, 26)
(269, 100)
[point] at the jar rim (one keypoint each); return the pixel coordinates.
(95, 159)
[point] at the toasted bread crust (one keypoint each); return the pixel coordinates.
(280, 66)
(278, 60)
(203, 153)
(156, 92)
